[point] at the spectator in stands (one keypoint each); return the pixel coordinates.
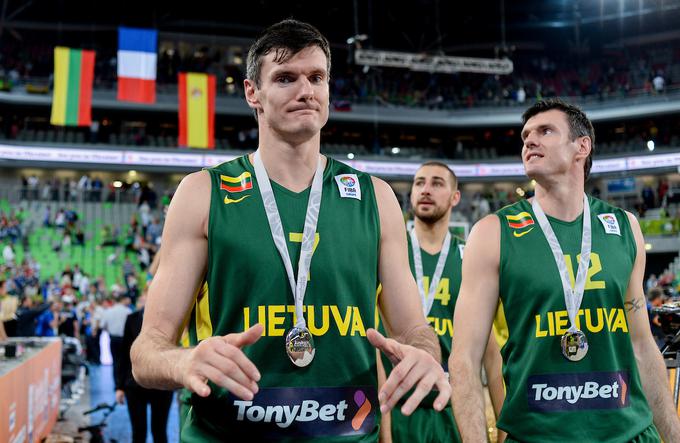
(60, 219)
(68, 319)
(8, 254)
(154, 230)
(650, 282)
(8, 309)
(48, 322)
(47, 217)
(659, 83)
(27, 316)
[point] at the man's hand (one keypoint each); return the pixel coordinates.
(120, 396)
(221, 360)
(412, 367)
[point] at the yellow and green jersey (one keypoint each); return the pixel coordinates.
(548, 398)
(334, 399)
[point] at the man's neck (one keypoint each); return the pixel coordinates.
(561, 201)
(291, 166)
(431, 236)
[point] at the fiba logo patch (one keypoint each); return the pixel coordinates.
(364, 409)
(348, 185)
(610, 224)
(348, 181)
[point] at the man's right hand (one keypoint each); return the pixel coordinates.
(221, 361)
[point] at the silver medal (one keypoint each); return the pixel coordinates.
(299, 341)
(300, 346)
(574, 345)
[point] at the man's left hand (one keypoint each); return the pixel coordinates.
(413, 367)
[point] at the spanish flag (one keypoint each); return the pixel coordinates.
(72, 96)
(519, 221)
(196, 110)
(237, 184)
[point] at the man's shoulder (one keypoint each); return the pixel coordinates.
(240, 163)
(337, 167)
(513, 208)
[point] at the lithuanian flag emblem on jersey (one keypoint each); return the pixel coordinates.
(236, 184)
(519, 221)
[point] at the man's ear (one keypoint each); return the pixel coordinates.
(585, 146)
(251, 93)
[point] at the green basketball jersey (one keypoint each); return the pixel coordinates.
(548, 398)
(440, 425)
(334, 398)
(446, 294)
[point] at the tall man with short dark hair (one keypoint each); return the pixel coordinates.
(580, 363)
(286, 247)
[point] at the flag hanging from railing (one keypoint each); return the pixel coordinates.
(72, 92)
(196, 110)
(137, 64)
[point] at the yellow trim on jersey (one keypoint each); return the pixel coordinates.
(204, 327)
(500, 326)
(377, 309)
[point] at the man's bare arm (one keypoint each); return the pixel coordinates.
(157, 361)
(415, 352)
(649, 360)
(181, 266)
(475, 307)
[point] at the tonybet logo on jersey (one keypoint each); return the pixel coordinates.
(567, 392)
(306, 412)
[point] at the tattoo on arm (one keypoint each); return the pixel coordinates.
(633, 305)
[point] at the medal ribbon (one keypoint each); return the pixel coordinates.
(428, 299)
(572, 296)
(308, 234)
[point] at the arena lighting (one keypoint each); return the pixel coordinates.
(650, 145)
(350, 156)
(118, 184)
(395, 150)
(432, 63)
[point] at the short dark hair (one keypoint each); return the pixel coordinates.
(445, 166)
(287, 38)
(579, 124)
(654, 293)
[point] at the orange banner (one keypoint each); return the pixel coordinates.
(30, 395)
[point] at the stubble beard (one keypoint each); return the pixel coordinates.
(430, 218)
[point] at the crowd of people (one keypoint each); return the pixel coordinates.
(629, 71)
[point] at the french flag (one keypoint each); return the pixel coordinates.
(137, 64)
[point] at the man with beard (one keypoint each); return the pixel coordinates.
(435, 259)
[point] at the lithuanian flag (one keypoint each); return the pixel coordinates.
(519, 221)
(237, 184)
(72, 97)
(196, 110)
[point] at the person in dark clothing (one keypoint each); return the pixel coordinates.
(27, 315)
(137, 397)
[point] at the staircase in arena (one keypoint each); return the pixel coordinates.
(46, 245)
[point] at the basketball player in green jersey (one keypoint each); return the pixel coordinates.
(580, 363)
(275, 356)
(435, 257)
